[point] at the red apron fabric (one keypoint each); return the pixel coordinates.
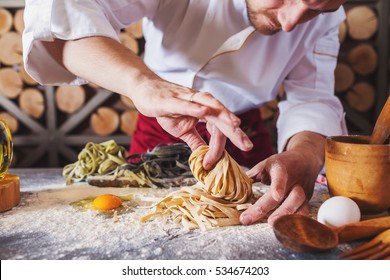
(148, 134)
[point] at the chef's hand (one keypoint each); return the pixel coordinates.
(178, 110)
(291, 176)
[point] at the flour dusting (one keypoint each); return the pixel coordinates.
(45, 226)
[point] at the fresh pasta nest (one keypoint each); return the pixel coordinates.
(216, 200)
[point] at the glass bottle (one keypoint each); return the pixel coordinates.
(6, 148)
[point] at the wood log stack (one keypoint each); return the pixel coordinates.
(355, 76)
(118, 116)
(358, 60)
(355, 73)
(12, 74)
(17, 86)
(356, 70)
(105, 120)
(109, 118)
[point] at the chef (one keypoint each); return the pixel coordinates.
(207, 67)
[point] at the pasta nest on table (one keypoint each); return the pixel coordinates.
(216, 200)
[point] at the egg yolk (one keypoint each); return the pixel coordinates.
(107, 202)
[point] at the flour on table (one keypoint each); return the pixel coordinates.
(46, 226)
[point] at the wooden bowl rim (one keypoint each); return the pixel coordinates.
(343, 140)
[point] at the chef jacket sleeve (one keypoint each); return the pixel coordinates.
(310, 103)
(46, 20)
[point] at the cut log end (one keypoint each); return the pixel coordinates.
(127, 102)
(19, 21)
(10, 83)
(26, 77)
(344, 77)
(129, 42)
(135, 30)
(362, 22)
(363, 59)
(5, 21)
(104, 121)
(343, 29)
(32, 102)
(11, 48)
(269, 110)
(69, 99)
(11, 121)
(129, 122)
(361, 97)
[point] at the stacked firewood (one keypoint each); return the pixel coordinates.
(355, 71)
(355, 74)
(107, 120)
(17, 86)
(359, 63)
(13, 78)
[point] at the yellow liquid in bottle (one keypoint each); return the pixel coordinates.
(6, 149)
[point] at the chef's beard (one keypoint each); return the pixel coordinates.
(265, 23)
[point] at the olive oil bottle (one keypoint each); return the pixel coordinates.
(6, 148)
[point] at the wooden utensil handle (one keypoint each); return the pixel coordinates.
(363, 229)
(382, 127)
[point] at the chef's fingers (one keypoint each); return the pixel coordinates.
(216, 147)
(193, 139)
(259, 172)
(295, 202)
(177, 107)
(217, 108)
(304, 209)
(223, 119)
(278, 177)
(235, 134)
(256, 171)
(260, 209)
(200, 105)
(271, 172)
(183, 127)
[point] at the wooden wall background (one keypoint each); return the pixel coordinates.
(49, 128)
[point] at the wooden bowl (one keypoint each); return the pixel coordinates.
(360, 171)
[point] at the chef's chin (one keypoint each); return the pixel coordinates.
(267, 31)
(264, 25)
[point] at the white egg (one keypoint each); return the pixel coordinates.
(337, 211)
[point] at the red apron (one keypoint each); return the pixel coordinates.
(149, 133)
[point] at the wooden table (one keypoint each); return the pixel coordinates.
(45, 226)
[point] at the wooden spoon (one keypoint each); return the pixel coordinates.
(382, 126)
(303, 234)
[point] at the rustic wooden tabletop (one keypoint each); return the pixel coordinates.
(45, 226)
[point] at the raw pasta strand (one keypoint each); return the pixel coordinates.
(216, 200)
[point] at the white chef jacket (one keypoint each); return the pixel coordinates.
(208, 45)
